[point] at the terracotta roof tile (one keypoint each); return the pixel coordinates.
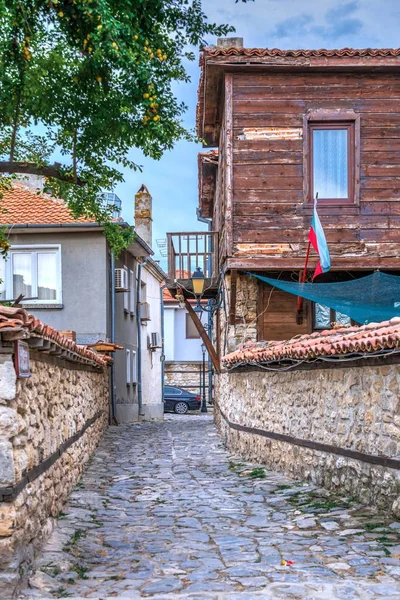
(18, 320)
(364, 340)
(22, 205)
(322, 52)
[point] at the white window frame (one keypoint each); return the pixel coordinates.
(133, 367)
(132, 291)
(128, 367)
(126, 294)
(34, 249)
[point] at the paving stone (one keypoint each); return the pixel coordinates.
(165, 518)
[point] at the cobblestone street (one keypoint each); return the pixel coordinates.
(164, 512)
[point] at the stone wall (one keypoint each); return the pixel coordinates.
(354, 409)
(50, 424)
(245, 328)
(185, 375)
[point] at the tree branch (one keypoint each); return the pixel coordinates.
(33, 169)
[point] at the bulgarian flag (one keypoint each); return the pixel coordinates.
(317, 239)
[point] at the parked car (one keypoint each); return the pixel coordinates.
(180, 401)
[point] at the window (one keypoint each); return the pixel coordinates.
(132, 292)
(128, 367)
(126, 294)
(191, 331)
(134, 367)
(331, 157)
(323, 317)
(34, 272)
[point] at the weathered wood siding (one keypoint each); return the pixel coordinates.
(269, 219)
(277, 312)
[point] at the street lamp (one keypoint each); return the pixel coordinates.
(198, 280)
(203, 391)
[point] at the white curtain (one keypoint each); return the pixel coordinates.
(47, 276)
(330, 162)
(22, 274)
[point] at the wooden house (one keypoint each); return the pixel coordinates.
(284, 125)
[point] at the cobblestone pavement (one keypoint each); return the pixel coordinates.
(164, 512)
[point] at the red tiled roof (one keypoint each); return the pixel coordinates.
(364, 340)
(23, 205)
(18, 320)
(168, 297)
(322, 52)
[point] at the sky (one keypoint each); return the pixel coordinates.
(172, 181)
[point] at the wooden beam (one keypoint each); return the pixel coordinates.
(203, 334)
(33, 169)
(232, 304)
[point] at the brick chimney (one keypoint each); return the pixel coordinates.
(231, 42)
(143, 215)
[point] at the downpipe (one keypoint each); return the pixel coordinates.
(139, 334)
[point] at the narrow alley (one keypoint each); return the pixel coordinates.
(164, 512)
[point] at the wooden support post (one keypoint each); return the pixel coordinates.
(203, 334)
(232, 304)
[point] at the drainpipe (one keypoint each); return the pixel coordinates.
(139, 334)
(210, 318)
(112, 307)
(162, 357)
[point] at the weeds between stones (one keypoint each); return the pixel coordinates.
(257, 473)
(81, 571)
(51, 569)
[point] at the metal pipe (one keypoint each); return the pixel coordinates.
(162, 357)
(112, 332)
(139, 335)
(210, 319)
(209, 362)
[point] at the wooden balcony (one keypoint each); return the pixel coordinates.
(186, 252)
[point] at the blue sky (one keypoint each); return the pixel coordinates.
(172, 180)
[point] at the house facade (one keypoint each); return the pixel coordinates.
(287, 126)
(183, 365)
(67, 273)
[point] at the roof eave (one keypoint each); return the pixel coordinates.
(215, 62)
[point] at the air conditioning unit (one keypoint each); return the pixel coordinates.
(144, 311)
(154, 341)
(121, 280)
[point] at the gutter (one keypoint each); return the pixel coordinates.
(139, 335)
(112, 308)
(209, 314)
(162, 357)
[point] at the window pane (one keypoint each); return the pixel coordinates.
(330, 163)
(342, 318)
(22, 275)
(322, 317)
(3, 294)
(47, 276)
(191, 331)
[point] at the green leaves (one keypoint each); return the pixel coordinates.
(97, 77)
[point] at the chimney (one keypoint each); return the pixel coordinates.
(143, 215)
(231, 42)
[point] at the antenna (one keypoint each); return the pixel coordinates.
(162, 246)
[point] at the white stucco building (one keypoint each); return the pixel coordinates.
(182, 347)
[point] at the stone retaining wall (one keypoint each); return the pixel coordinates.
(353, 409)
(50, 422)
(186, 375)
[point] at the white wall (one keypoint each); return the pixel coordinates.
(169, 332)
(152, 404)
(177, 347)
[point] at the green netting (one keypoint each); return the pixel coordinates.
(373, 298)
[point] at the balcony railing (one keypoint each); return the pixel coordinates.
(188, 250)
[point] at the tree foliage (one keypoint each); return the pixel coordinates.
(90, 80)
